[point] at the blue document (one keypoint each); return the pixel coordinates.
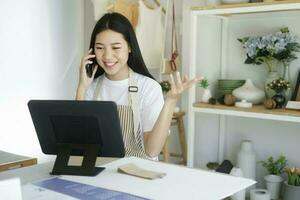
(83, 191)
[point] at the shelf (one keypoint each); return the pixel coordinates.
(257, 111)
(244, 8)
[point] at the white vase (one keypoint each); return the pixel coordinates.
(273, 184)
(238, 172)
(249, 92)
(206, 96)
(246, 160)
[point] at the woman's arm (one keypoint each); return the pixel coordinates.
(154, 140)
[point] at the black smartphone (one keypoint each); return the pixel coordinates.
(90, 67)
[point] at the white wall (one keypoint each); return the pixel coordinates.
(41, 45)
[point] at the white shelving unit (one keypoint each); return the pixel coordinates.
(224, 12)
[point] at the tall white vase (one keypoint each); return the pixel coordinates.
(246, 160)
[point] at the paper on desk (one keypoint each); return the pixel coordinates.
(33, 192)
(10, 189)
(180, 182)
(57, 188)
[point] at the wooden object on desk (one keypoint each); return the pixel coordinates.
(178, 121)
(11, 161)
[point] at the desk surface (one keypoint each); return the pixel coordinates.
(179, 183)
(6, 157)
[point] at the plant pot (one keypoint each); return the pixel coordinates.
(273, 184)
(206, 95)
(291, 192)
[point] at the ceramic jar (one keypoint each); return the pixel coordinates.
(250, 93)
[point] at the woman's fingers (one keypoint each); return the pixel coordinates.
(179, 82)
(180, 85)
(94, 70)
(88, 57)
(185, 78)
(172, 82)
(189, 83)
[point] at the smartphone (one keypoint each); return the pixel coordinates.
(90, 67)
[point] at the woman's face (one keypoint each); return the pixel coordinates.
(112, 50)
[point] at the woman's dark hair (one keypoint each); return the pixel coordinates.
(118, 23)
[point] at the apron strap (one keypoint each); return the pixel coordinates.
(133, 101)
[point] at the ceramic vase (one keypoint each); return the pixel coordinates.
(273, 184)
(246, 160)
(249, 92)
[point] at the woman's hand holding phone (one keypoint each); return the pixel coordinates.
(88, 69)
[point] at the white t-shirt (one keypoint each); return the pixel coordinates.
(150, 97)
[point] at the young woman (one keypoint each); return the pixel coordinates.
(120, 75)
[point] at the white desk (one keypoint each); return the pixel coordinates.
(179, 183)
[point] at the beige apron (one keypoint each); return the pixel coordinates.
(129, 119)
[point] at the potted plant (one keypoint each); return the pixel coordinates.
(269, 50)
(273, 179)
(203, 83)
(292, 185)
(279, 86)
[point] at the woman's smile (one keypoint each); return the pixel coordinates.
(109, 64)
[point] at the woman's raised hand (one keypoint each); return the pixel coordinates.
(84, 79)
(178, 85)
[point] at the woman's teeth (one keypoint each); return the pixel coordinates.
(110, 64)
